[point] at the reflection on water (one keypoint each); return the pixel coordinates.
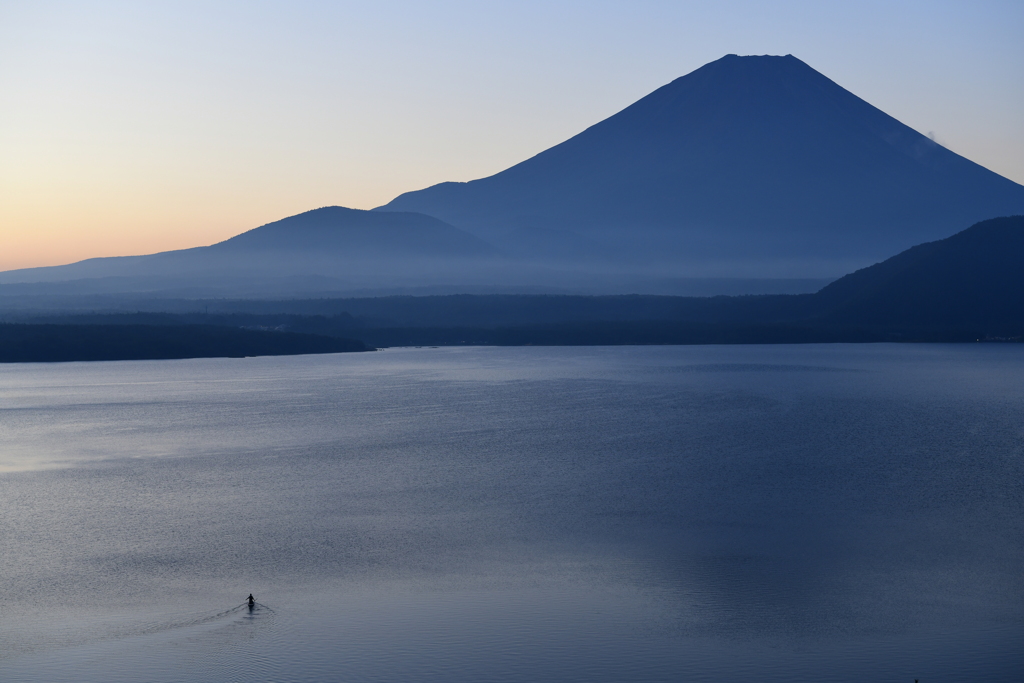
(819, 513)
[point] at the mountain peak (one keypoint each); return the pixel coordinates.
(747, 166)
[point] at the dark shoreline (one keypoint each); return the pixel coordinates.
(43, 343)
(35, 343)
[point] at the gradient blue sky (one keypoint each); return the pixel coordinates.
(133, 127)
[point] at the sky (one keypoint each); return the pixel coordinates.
(136, 127)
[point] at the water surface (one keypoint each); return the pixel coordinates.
(762, 513)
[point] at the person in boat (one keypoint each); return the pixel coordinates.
(252, 601)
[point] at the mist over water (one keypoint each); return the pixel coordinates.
(768, 513)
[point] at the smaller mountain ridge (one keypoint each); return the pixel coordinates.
(325, 242)
(973, 279)
(341, 230)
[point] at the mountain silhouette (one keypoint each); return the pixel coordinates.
(748, 175)
(749, 166)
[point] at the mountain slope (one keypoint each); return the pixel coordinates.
(759, 166)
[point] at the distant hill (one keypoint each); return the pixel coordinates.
(748, 166)
(332, 250)
(341, 232)
(327, 248)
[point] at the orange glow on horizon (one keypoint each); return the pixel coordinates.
(67, 234)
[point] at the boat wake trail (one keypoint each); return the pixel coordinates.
(195, 632)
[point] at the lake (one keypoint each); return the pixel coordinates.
(716, 513)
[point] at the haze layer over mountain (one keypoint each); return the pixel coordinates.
(748, 166)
